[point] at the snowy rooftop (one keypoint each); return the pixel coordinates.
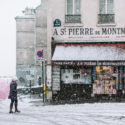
(88, 53)
(25, 17)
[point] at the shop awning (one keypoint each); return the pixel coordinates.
(89, 53)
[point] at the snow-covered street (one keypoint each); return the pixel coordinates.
(33, 112)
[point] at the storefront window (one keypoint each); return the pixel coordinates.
(105, 79)
(123, 78)
(76, 75)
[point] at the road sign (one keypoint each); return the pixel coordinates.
(40, 54)
(57, 23)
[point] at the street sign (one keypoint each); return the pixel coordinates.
(40, 54)
(57, 23)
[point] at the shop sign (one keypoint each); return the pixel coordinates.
(90, 63)
(76, 31)
(57, 23)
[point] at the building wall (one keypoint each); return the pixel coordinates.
(38, 33)
(25, 24)
(92, 31)
(89, 19)
(25, 39)
(41, 30)
(31, 37)
(41, 39)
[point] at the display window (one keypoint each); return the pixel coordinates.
(105, 79)
(121, 79)
(76, 75)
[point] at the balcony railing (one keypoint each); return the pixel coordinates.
(72, 18)
(106, 18)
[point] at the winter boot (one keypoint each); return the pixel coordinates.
(16, 109)
(11, 107)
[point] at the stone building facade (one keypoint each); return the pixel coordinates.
(87, 40)
(31, 37)
(85, 44)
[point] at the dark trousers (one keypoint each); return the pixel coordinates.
(14, 101)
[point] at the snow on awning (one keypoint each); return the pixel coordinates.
(89, 53)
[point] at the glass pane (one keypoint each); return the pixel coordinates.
(77, 9)
(102, 4)
(69, 7)
(110, 6)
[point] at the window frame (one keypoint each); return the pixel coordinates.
(73, 10)
(72, 18)
(106, 7)
(106, 13)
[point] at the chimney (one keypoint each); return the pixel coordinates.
(29, 11)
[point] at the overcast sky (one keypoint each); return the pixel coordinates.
(9, 9)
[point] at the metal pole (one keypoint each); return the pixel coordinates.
(43, 81)
(30, 80)
(44, 85)
(30, 88)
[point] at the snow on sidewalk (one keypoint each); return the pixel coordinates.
(73, 114)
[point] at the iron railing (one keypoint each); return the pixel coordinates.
(106, 18)
(72, 18)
